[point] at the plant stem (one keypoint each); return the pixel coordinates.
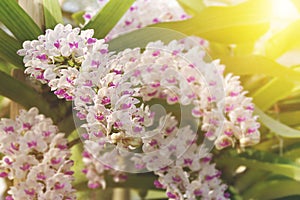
(14, 107)
(74, 142)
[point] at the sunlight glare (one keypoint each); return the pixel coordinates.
(284, 9)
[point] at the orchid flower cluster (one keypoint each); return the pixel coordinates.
(55, 58)
(112, 95)
(37, 158)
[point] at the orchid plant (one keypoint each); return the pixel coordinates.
(166, 99)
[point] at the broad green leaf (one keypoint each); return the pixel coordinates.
(293, 197)
(28, 97)
(265, 161)
(8, 49)
(250, 177)
(18, 21)
(291, 118)
(66, 124)
(276, 126)
(289, 106)
(78, 17)
(283, 41)
(234, 193)
(273, 189)
(217, 50)
(192, 6)
(293, 152)
(78, 166)
(233, 24)
(272, 92)
(252, 64)
(292, 103)
(52, 12)
(252, 83)
(6, 67)
(108, 17)
(154, 194)
(140, 38)
(4, 107)
(15, 89)
(90, 194)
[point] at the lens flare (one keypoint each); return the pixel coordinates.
(284, 9)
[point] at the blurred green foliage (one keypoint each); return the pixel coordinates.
(273, 166)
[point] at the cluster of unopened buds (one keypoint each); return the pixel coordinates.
(113, 93)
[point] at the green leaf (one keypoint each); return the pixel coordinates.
(8, 49)
(292, 103)
(28, 97)
(283, 41)
(21, 93)
(293, 152)
(192, 6)
(252, 83)
(234, 194)
(273, 189)
(78, 17)
(154, 194)
(269, 94)
(66, 124)
(265, 161)
(108, 17)
(275, 126)
(18, 21)
(4, 107)
(291, 118)
(52, 12)
(242, 23)
(140, 38)
(100, 194)
(6, 67)
(76, 151)
(250, 177)
(252, 64)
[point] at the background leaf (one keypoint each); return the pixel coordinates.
(273, 189)
(8, 49)
(253, 64)
(192, 6)
(78, 17)
(291, 118)
(140, 38)
(52, 12)
(28, 97)
(283, 41)
(18, 21)
(265, 161)
(267, 95)
(277, 127)
(233, 24)
(108, 17)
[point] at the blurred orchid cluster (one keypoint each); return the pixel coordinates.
(112, 94)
